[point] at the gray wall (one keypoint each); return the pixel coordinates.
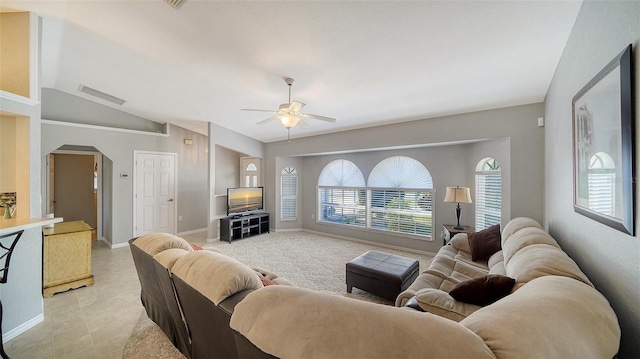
(118, 147)
(610, 258)
(57, 105)
(517, 143)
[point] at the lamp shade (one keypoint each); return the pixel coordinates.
(458, 195)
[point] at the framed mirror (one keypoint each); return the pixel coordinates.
(603, 132)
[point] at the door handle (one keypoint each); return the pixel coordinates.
(170, 200)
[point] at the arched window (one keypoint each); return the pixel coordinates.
(288, 194)
(602, 184)
(401, 195)
(341, 194)
(251, 167)
(488, 193)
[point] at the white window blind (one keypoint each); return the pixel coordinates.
(288, 194)
(488, 194)
(405, 211)
(289, 198)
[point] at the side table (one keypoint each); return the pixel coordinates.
(66, 253)
(448, 232)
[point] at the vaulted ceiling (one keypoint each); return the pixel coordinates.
(364, 63)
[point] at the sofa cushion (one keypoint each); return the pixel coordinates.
(538, 260)
(460, 242)
(517, 224)
(484, 290)
(484, 243)
(320, 325)
(496, 263)
(215, 275)
(169, 257)
(526, 237)
(442, 304)
(550, 317)
(154, 243)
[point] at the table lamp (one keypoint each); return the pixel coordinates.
(458, 195)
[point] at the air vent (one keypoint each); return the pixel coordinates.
(101, 95)
(175, 3)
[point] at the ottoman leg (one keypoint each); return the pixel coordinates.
(349, 288)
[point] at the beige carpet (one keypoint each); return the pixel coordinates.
(307, 260)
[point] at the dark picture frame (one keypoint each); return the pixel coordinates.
(603, 148)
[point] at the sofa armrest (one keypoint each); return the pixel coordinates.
(321, 325)
(440, 303)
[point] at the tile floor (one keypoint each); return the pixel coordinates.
(90, 322)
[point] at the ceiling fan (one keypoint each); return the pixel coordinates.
(289, 113)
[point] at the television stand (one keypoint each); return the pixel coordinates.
(243, 226)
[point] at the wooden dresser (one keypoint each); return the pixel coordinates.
(66, 257)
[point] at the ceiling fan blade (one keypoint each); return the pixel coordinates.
(253, 109)
(295, 106)
(270, 119)
(316, 117)
(302, 123)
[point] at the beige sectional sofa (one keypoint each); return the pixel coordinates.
(553, 311)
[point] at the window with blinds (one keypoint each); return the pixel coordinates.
(488, 194)
(289, 194)
(341, 194)
(398, 198)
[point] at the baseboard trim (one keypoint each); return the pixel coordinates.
(22, 328)
(417, 251)
(193, 231)
(289, 230)
(118, 245)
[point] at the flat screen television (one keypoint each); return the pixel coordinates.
(244, 200)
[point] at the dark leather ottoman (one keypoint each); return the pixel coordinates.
(382, 274)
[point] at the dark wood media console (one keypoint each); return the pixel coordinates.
(237, 227)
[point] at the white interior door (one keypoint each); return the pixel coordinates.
(155, 190)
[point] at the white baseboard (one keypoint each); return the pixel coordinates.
(118, 245)
(193, 231)
(22, 328)
(289, 230)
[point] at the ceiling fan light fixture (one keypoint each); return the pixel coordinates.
(289, 121)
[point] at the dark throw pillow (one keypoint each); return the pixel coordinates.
(484, 290)
(485, 243)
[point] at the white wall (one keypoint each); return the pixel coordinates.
(609, 257)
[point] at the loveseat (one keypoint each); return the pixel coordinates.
(551, 310)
